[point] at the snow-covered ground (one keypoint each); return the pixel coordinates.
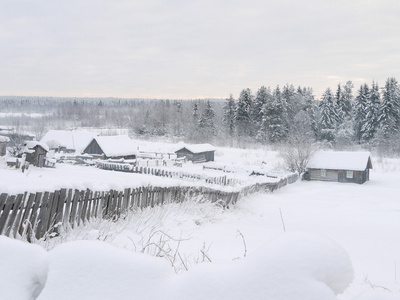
(303, 241)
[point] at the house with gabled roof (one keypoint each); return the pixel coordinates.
(68, 141)
(340, 166)
(115, 147)
(196, 152)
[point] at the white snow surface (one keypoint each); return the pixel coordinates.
(339, 160)
(318, 269)
(305, 262)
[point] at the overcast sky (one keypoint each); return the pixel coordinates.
(193, 49)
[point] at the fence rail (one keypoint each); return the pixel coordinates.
(44, 214)
(220, 180)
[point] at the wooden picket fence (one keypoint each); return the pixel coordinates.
(220, 180)
(45, 214)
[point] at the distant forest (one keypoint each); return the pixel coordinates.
(345, 118)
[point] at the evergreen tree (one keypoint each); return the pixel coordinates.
(371, 124)
(228, 119)
(328, 115)
(389, 110)
(263, 94)
(274, 118)
(347, 99)
(206, 122)
(242, 114)
(360, 110)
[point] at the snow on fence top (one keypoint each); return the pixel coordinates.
(197, 148)
(340, 160)
(70, 139)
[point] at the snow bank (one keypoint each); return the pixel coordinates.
(97, 270)
(23, 269)
(378, 296)
(293, 266)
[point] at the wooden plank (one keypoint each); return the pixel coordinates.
(83, 215)
(74, 208)
(80, 208)
(59, 213)
(53, 211)
(18, 222)
(23, 230)
(3, 198)
(67, 209)
(44, 205)
(35, 211)
(6, 213)
(99, 209)
(125, 202)
(13, 216)
(107, 203)
(83, 207)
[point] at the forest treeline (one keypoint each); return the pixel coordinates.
(345, 117)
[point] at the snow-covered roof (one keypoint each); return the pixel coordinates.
(33, 144)
(116, 145)
(340, 160)
(197, 148)
(70, 139)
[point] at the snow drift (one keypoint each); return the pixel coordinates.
(293, 266)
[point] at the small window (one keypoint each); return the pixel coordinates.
(323, 172)
(349, 174)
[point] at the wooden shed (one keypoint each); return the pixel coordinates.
(339, 166)
(68, 141)
(116, 147)
(36, 153)
(196, 152)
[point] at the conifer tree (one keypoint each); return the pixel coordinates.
(263, 94)
(274, 117)
(242, 114)
(360, 107)
(228, 119)
(389, 110)
(328, 115)
(371, 124)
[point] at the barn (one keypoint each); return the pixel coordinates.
(67, 141)
(115, 147)
(196, 152)
(339, 166)
(36, 153)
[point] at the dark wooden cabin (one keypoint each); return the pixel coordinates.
(339, 166)
(36, 153)
(197, 152)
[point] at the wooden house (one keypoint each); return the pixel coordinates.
(196, 152)
(339, 166)
(67, 141)
(36, 153)
(114, 147)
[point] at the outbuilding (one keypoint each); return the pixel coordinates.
(339, 166)
(68, 141)
(114, 147)
(36, 153)
(197, 152)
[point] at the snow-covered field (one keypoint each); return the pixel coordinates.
(304, 241)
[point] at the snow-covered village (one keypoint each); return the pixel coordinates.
(154, 151)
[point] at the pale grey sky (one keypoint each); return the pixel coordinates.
(193, 49)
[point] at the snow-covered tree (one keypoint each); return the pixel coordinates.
(389, 110)
(262, 96)
(242, 113)
(228, 118)
(371, 124)
(328, 115)
(206, 121)
(360, 108)
(274, 116)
